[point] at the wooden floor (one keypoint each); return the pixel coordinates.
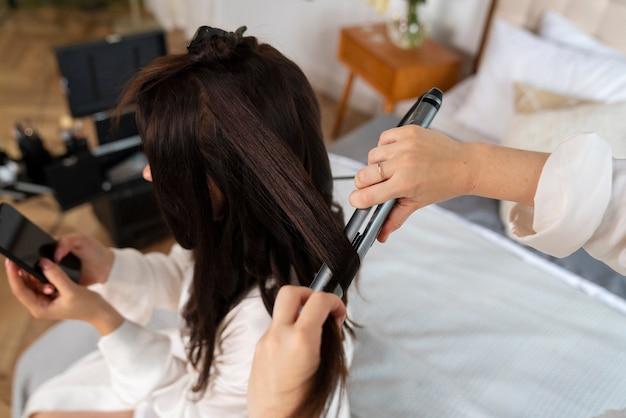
(30, 90)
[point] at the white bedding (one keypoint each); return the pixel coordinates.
(458, 324)
(515, 55)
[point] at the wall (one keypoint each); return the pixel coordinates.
(307, 32)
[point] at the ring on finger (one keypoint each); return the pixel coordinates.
(380, 171)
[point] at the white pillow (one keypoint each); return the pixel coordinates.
(559, 29)
(544, 131)
(514, 54)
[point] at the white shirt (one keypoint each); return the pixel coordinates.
(580, 202)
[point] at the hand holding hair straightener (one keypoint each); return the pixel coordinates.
(421, 113)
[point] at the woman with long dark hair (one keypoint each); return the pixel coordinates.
(232, 134)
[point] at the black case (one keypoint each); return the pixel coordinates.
(130, 213)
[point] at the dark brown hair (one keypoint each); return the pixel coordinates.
(240, 117)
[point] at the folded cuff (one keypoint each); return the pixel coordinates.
(572, 196)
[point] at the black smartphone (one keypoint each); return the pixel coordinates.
(25, 244)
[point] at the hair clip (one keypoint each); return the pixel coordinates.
(208, 32)
(240, 31)
(202, 33)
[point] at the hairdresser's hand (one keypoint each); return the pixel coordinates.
(420, 167)
(288, 355)
(70, 301)
(96, 259)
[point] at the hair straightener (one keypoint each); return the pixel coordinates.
(421, 113)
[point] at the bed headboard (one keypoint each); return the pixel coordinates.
(604, 19)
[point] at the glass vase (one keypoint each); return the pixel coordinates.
(404, 28)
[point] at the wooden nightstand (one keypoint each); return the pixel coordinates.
(397, 74)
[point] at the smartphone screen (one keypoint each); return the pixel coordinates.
(25, 244)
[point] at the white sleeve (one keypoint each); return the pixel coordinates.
(143, 367)
(580, 202)
(139, 361)
(608, 243)
(139, 283)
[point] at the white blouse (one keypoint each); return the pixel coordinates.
(147, 371)
(580, 202)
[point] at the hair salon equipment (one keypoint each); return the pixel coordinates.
(108, 176)
(128, 209)
(74, 144)
(75, 179)
(35, 156)
(112, 182)
(72, 136)
(92, 76)
(109, 129)
(421, 113)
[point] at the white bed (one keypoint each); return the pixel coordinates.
(458, 324)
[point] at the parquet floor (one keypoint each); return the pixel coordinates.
(29, 90)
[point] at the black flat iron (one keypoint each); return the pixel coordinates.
(422, 114)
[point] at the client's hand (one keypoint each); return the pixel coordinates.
(96, 259)
(415, 165)
(70, 302)
(288, 355)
